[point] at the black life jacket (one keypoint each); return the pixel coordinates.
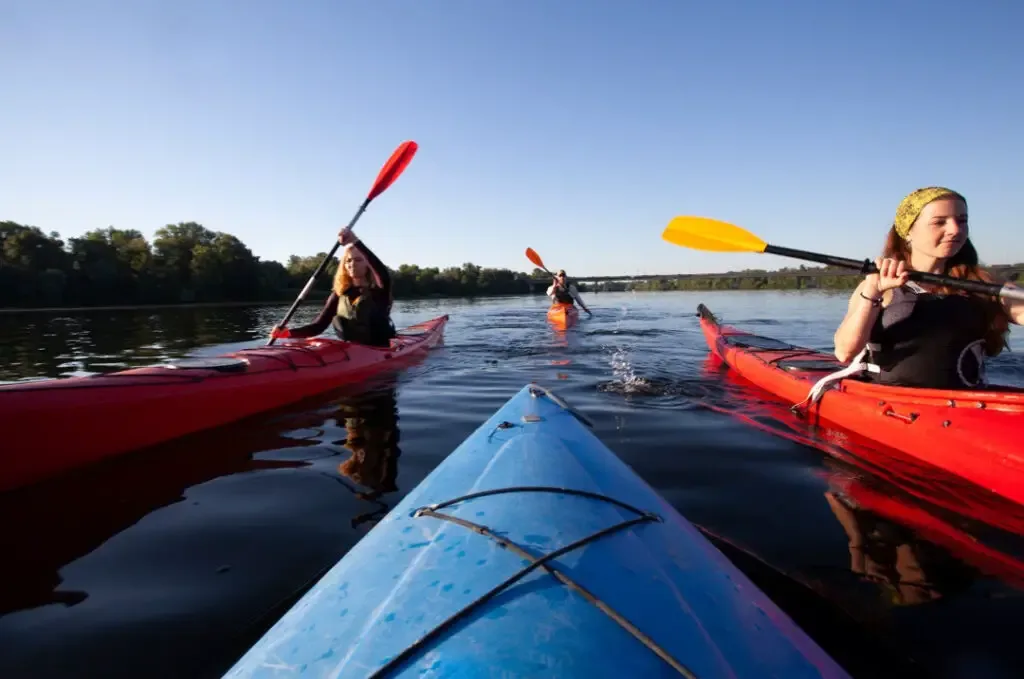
(364, 317)
(562, 295)
(929, 340)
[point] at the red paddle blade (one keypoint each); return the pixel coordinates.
(395, 166)
(532, 255)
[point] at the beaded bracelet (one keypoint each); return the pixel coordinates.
(874, 301)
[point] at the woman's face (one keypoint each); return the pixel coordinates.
(356, 265)
(941, 228)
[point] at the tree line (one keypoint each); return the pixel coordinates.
(787, 278)
(187, 263)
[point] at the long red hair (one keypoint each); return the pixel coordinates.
(342, 281)
(964, 264)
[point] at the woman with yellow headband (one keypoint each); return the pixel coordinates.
(924, 336)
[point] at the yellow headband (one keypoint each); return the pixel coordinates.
(911, 206)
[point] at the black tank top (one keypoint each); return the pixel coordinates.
(929, 340)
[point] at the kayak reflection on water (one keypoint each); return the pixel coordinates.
(910, 571)
(372, 435)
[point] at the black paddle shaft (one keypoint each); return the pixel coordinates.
(866, 266)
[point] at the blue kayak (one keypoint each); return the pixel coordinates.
(533, 551)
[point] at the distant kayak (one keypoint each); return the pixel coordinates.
(974, 434)
(53, 426)
(563, 315)
(533, 551)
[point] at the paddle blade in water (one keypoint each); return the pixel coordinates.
(532, 255)
(702, 233)
(396, 164)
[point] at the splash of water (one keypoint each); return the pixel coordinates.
(626, 380)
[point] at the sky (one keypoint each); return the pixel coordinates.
(576, 127)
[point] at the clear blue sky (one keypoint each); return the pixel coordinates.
(577, 127)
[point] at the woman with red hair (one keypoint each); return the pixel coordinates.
(359, 306)
(923, 335)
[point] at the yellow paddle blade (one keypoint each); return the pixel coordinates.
(532, 255)
(701, 233)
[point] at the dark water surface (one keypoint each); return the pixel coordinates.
(170, 562)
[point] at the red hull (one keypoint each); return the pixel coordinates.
(976, 435)
(54, 426)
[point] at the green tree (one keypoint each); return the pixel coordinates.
(301, 268)
(173, 250)
(224, 268)
(108, 265)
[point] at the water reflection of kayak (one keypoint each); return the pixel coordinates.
(47, 526)
(858, 496)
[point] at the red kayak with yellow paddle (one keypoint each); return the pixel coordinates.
(974, 434)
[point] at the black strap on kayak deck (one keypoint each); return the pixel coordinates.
(535, 563)
(286, 359)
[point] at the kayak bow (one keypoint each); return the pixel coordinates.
(532, 550)
(563, 316)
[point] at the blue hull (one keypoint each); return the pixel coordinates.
(646, 595)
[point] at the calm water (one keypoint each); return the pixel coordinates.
(169, 563)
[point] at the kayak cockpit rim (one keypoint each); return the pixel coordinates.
(224, 364)
(745, 340)
(239, 360)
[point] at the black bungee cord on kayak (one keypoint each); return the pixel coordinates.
(535, 563)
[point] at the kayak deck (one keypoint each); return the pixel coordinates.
(532, 550)
(53, 426)
(563, 315)
(974, 434)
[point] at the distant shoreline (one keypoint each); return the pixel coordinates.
(197, 305)
(222, 305)
(138, 307)
(190, 267)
